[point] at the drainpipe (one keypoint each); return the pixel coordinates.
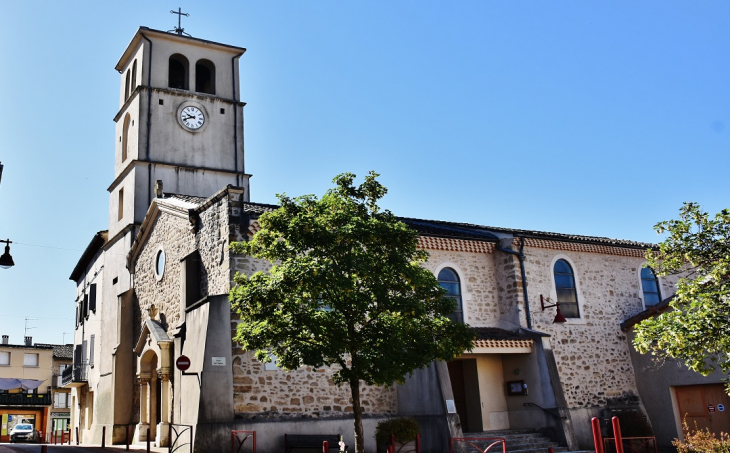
(149, 122)
(235, 116)
(521, 257)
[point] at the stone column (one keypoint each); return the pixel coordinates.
(163, 429)
(153, 405)
(144, 401)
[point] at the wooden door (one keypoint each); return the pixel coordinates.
(456, 374)
(704, 406)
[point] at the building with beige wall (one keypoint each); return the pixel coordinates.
(154, 287)
(28, 384)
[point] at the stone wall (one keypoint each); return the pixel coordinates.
(479, 288)
(212, 242)
(592, 352)
(173, 235)
(303, 392)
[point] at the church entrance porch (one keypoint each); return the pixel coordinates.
(479, 396)
(153, 363)
(502, 383)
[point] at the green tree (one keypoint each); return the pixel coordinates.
(345, 289)
(697, 329)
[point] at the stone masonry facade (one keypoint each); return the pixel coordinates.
(592, 352)
(210, 229)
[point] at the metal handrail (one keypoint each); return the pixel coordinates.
(76, 373)
(172, 448)
(554, 411)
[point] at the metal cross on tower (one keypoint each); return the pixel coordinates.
(179, 30)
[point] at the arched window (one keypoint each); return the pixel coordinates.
(134, 77)
(126, 87)
(205, 77)
(449, 280)
(565, 288)
(178, 72)
(650, 287)
(125, 136)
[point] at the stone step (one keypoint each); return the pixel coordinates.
(501, 432)
(539, 450)
(505, 435)
(517, 441)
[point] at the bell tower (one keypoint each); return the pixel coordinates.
(180, 121)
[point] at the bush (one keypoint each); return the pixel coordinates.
(405, 429)
(702, 441)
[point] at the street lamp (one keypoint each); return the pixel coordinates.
(6, 261)
(559, 318)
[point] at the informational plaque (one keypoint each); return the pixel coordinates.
(450, 407)
(219, 361)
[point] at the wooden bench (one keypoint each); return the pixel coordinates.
(310, 441)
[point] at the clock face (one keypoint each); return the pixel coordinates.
(192, 117)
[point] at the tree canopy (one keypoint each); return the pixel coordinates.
(346, 289)
(697, 328)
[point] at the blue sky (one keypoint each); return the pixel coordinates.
(594, 118)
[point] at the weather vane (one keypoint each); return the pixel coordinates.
(179, 30)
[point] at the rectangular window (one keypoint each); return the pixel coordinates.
(61, 369)
(120, 208)
(86, 306)
(4, 359)
(84, 349)
(60, 400)
(30, 359)
(92, 297)
(91, 351)
(190, 287)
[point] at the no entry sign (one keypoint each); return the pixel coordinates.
(182, 363)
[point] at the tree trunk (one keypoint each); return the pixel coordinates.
(357, 411)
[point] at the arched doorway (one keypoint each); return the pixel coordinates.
(153, 362)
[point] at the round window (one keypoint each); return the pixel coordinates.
(160, 263)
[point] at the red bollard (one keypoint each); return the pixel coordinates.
(597, 438)
(44, 448)
(325, 447)
(126, 436)
(103, 437)
(550, 450)
(77, 435)
(148, 440)
(617, 435)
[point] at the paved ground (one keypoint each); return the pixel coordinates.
(36, 448)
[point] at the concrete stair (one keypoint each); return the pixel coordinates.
(517, 441)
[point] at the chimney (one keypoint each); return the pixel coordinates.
(5, 339)
(29, 341)
(158, 189)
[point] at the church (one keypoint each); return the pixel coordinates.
(152, 289)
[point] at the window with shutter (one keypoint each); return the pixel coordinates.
(91, 351)
(30, 359)
(92, 297)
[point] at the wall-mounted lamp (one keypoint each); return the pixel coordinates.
(559, 318)
(6, 261)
